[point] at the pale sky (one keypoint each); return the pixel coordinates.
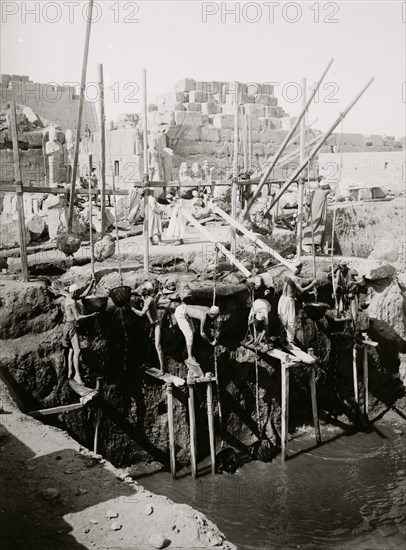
(172, 41)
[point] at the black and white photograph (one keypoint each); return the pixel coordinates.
(203, 275)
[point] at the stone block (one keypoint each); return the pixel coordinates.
(287, 122)
(210, 134)
(179, 107)
(271, 111)
(211, 108)
(255, 124)
(275, 123)
(230, 98)
(16, 77)
(258, 149)
(205, 119)
(152, 107)
(197, 96)
(185, 85)
(373, 269)
(385, 250)
(226, 135)
(188, 118)
(5, 78)
(213, 87)
(263, 99)
(254, 110)
(193, 106)
(229, 87)
(223, 121)
(227, 109)
(220, 98)
(280, 112)
(267, 89)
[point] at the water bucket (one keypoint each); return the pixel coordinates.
(95, 303)
(121, 295)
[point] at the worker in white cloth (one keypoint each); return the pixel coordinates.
(292, 287)
(184, 315)
(258, 321)
(151, 312)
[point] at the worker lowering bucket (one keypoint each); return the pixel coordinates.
(121, 295)
(95, 303)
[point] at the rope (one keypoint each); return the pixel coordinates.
(216, 331)
(256, 349)
(117, 239)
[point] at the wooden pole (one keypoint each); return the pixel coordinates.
(146, 175)
(210, 421)
(285, 142)
(354, 372)
(91, 226)
(19, 193)
(169, 393)
(102, 152)
(313, 394)
(244, 140)
(99, 387)
(366, 398)
(235, 171)
(300, 193)
(80, 112)
(192, 427)
(318, 145)
(249, 142)
(285, 404)
(253, 238)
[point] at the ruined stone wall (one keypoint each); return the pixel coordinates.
(58, 104)
(382, 169)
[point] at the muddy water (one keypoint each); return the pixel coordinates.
(347, 494)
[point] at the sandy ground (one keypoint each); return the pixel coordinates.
(57, 495)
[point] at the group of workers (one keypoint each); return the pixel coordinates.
(345, 294)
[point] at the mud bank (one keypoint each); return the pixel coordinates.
(116, 346)
(69, 498)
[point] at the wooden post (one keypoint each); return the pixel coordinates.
(91, 226)
(102, 152)
(192, 427)
(19, 193)
(300, 193)
(285, 404)
(366, 398)
(80, 112)
(354, 372)
(210, 421)
(234, 190)
(249, 142)
(169, 393)
(316, 422)
(244, 140)
(99, 387)
(146, 175)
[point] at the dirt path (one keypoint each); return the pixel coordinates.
(57, 495)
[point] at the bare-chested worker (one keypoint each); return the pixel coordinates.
(291, 288)
(151, 312)
(184, 315)
(70, 338)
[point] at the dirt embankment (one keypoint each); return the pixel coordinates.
(55, 494)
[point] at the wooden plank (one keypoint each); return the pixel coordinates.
(79, 389)
(19, 192)
(274, 353)
(253, 237)
(169, 393)
(285, 406)
(235, 170)
(102, 152)
(167, 377)
(230, 257)
(300, 355)
(354, 372)
(210, 421)
(313, 394)
(146, 174)
(192, 429)
(99, 383)
(56, 410)
(366, 398)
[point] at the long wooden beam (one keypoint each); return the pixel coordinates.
(286, 140)
(321, 142)
(232, 259)
(80, 112)
(56, 410)
(253, 238)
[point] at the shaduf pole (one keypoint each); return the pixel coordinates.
(19, 192)
(102, 152)
(235, 170)
(146, 175)
(300, 193)
(80, 112)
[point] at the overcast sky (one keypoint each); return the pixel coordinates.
(259, 42)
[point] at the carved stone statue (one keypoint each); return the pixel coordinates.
(69, 154)
(154, 162)
(167, 163)
(183, 172)
(53, 153)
